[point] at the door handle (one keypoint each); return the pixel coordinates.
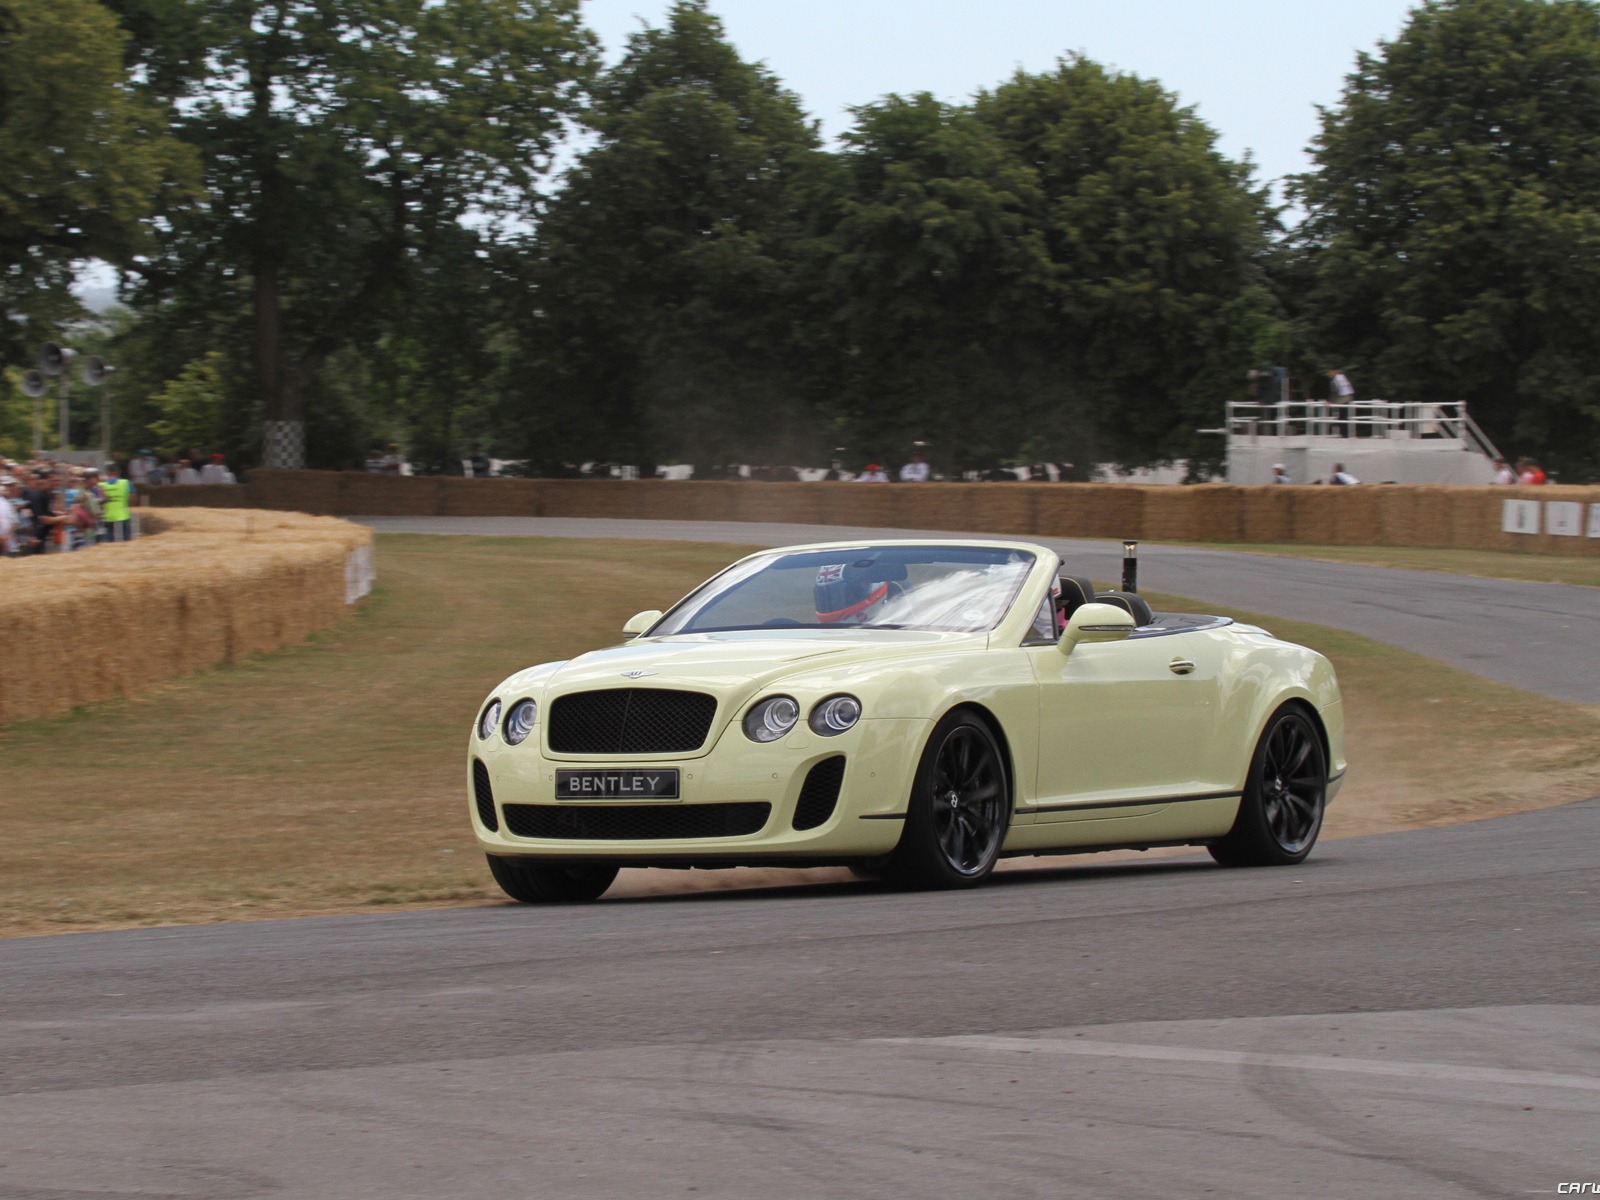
(1180, 666)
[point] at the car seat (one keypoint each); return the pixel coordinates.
(1075, 591)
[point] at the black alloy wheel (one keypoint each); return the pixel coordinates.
(1280, 814)
(960, 808)
(550, 883)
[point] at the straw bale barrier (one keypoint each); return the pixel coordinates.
(208, 587)
(1467, 518)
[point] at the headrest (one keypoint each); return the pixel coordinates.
(1133, 603)
(1075, 590)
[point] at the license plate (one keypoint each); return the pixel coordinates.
(656, 783)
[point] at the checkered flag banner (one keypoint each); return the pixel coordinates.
(283, 443)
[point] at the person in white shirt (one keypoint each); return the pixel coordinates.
(139, 468)
(1340, 475)
(8, 515)
(1503, 472)
(1279, 475)
(915, 471)
(187, 473)
(873, 474)
(216, 471)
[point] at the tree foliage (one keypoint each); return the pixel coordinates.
(1454, 221)
(359, 158)
(662, 277)
(83, 158)
(1067, 269)
(190, 407)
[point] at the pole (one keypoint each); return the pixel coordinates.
(38, 426)
(63, 421)
(1130, 566)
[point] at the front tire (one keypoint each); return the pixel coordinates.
(550, 883)
(1284, 798)
(960, 809)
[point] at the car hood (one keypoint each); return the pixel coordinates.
(733, 658)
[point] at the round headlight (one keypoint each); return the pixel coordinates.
(489, 721)
(769, 719)
(835, 715)
(519, 722)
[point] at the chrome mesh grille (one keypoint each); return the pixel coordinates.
(631, 721)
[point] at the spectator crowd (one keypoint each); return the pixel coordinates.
(51, 506)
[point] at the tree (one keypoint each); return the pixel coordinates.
(83, 159)
(934, 273)
(190, 407)
(1454, 221)
(662, 293)
(1156, 295)
(1066, 269)
(356, 153)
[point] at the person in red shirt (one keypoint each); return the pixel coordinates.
(1529, 471)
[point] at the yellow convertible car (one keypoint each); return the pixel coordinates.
(913, 710)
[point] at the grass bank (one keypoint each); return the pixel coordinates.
(1491, 564)
(329, 778)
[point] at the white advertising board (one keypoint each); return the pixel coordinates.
(1594, 520)
(1563, 518)
(1519, 516)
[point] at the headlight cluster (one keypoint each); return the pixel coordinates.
(769, 719)
(835, 715)
(489, 721)
(519, 721)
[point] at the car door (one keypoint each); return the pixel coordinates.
(1122, 722)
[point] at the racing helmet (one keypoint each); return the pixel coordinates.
(845, 592)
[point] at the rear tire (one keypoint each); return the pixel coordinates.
(960, 809)
(550, 883)
(1281, 811)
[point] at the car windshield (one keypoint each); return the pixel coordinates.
(960, 589)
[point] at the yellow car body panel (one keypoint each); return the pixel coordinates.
(1107, 746)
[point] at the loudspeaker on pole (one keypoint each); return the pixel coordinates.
(34, 383)
(53, 359)
(95, 370)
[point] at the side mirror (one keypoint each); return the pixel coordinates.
(1096, 623)
(640, 622)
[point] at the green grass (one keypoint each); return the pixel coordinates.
(330, 777)
(1493, 564)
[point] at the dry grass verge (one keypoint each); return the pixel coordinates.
(328, 777)
(1491, 564)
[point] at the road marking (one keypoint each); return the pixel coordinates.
(1450, 1072)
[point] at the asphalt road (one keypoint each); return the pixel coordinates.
(1406, 1015)
(1542, 637)
(1409, 1014)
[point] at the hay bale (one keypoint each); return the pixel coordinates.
(1266, 513)
(1172, 514)
(203, 587)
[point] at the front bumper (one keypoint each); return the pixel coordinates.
(865, 822)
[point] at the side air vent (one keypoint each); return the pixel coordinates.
(483, 794)
(820, 793)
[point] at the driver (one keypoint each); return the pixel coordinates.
(846, 594)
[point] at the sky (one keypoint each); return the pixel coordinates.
(1254, 70)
